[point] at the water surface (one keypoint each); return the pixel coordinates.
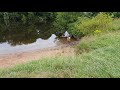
(20, 37)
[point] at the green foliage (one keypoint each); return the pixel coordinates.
(87, 26)
(23, 19)
(77, 23)
(90, 14)
(116, 24)
(73, 27)
(27, 17)
(114, 14)
(63, 19)
(95, 42)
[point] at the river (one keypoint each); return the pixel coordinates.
(19, 38)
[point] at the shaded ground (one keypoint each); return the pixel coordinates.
(9, 60)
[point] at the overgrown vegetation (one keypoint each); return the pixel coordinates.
(27, 17)
(77, 23)
(84, 23)
(100, 23)
(63, 19)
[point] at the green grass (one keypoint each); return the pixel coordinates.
(116, 24)
(89, 43)
(102, 60)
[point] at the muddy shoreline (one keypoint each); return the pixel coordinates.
(11, 59)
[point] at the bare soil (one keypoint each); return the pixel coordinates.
(12, 59)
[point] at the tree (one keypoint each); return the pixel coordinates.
(63, 19)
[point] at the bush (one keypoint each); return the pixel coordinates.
(101, 22)
(74, 27)
(63, 19)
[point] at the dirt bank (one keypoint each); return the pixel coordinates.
(12, 59)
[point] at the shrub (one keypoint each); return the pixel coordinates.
(74, 27)
(87, 26)
(63, 19)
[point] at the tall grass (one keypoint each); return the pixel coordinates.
(101, 61)
(98, 41)
(116, 24)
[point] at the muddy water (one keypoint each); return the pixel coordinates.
(19, 38)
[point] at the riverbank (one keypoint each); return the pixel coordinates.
(12, 59)
(102, 60)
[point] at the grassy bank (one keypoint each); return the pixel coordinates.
(100, 57)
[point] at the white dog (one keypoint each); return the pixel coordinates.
(68, 39)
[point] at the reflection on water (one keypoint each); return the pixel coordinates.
(19, 37)
(40, 43)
